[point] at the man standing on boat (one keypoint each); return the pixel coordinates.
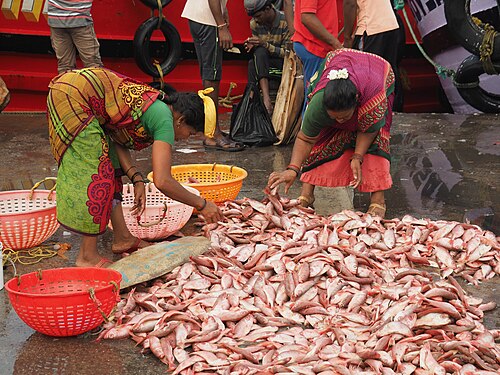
(378, 31)
(209, 26)
(268, 43)
(316, 28)
(72, 29)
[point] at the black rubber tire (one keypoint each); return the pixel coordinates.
(468, 74)
(153, 4)
(173, 47)
(465, 31)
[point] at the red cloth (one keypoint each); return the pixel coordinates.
(375, 173)
(326, 11)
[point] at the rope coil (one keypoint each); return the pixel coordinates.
(487, 46)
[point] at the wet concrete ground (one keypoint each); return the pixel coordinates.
(444, 167)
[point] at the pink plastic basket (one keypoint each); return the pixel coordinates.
(27, 217)
(163, 216)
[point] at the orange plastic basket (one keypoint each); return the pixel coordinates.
(27, 217)
(162, 217)
(65, 301)
(217, 182)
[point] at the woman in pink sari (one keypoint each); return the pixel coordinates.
(344, 139)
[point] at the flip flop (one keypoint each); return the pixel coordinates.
(102, 263)
(223, 144)
(131, 249)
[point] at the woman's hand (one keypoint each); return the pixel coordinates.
(211, 213)
(356, 172)
(139, 199)
(277, 178)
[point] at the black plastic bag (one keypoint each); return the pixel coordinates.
(250, 122)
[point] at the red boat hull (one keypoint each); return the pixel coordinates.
(27, 74)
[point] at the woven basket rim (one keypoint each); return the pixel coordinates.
(8, 288)
(27, 192)
(208, 167)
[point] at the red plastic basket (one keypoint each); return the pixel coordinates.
(65, 301)
(27, 217)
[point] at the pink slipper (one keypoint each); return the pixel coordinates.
(103, 263)
(131, 249)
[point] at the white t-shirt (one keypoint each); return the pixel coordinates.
(199, 11)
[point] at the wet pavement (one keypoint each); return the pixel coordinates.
(444, 167)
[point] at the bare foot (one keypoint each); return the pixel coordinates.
(128, 246)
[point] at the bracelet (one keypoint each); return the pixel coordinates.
(135, 174)
(128, 170)
(137, 181)
(203, 205)
(221, 26)
(357, 156)
(293, 168)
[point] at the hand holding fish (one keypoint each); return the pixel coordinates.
(277, 178)
(211, 212)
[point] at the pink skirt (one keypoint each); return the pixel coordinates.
(375, 173)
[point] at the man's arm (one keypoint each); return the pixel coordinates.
(225, 38)
(288, 10)
(350, 9)
(314, 25)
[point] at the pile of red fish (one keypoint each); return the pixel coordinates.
(286, 291)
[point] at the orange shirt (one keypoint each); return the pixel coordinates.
(326, 11)
(375, 16)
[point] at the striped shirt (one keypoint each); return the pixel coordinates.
(69, 14)
(276, 37)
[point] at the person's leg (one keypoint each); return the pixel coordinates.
(209, 55)
(306, 197)
(87, 44)
(386, 45)
(85, 185)
(310, 64)
(377, 204)
(64, 48)
(88, 256)
(123, 240)
(261, 67)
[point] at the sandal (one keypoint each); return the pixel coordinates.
(131, 249)
(224, 144)
(306, 201)
(103, 263)
(374, 207)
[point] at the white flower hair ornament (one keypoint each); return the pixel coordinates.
(338, 74)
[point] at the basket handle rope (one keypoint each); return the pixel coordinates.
(230, 169)
(165, 210)
(98, 304)
(49, 197)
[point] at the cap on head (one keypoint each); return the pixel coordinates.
(254, 6)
